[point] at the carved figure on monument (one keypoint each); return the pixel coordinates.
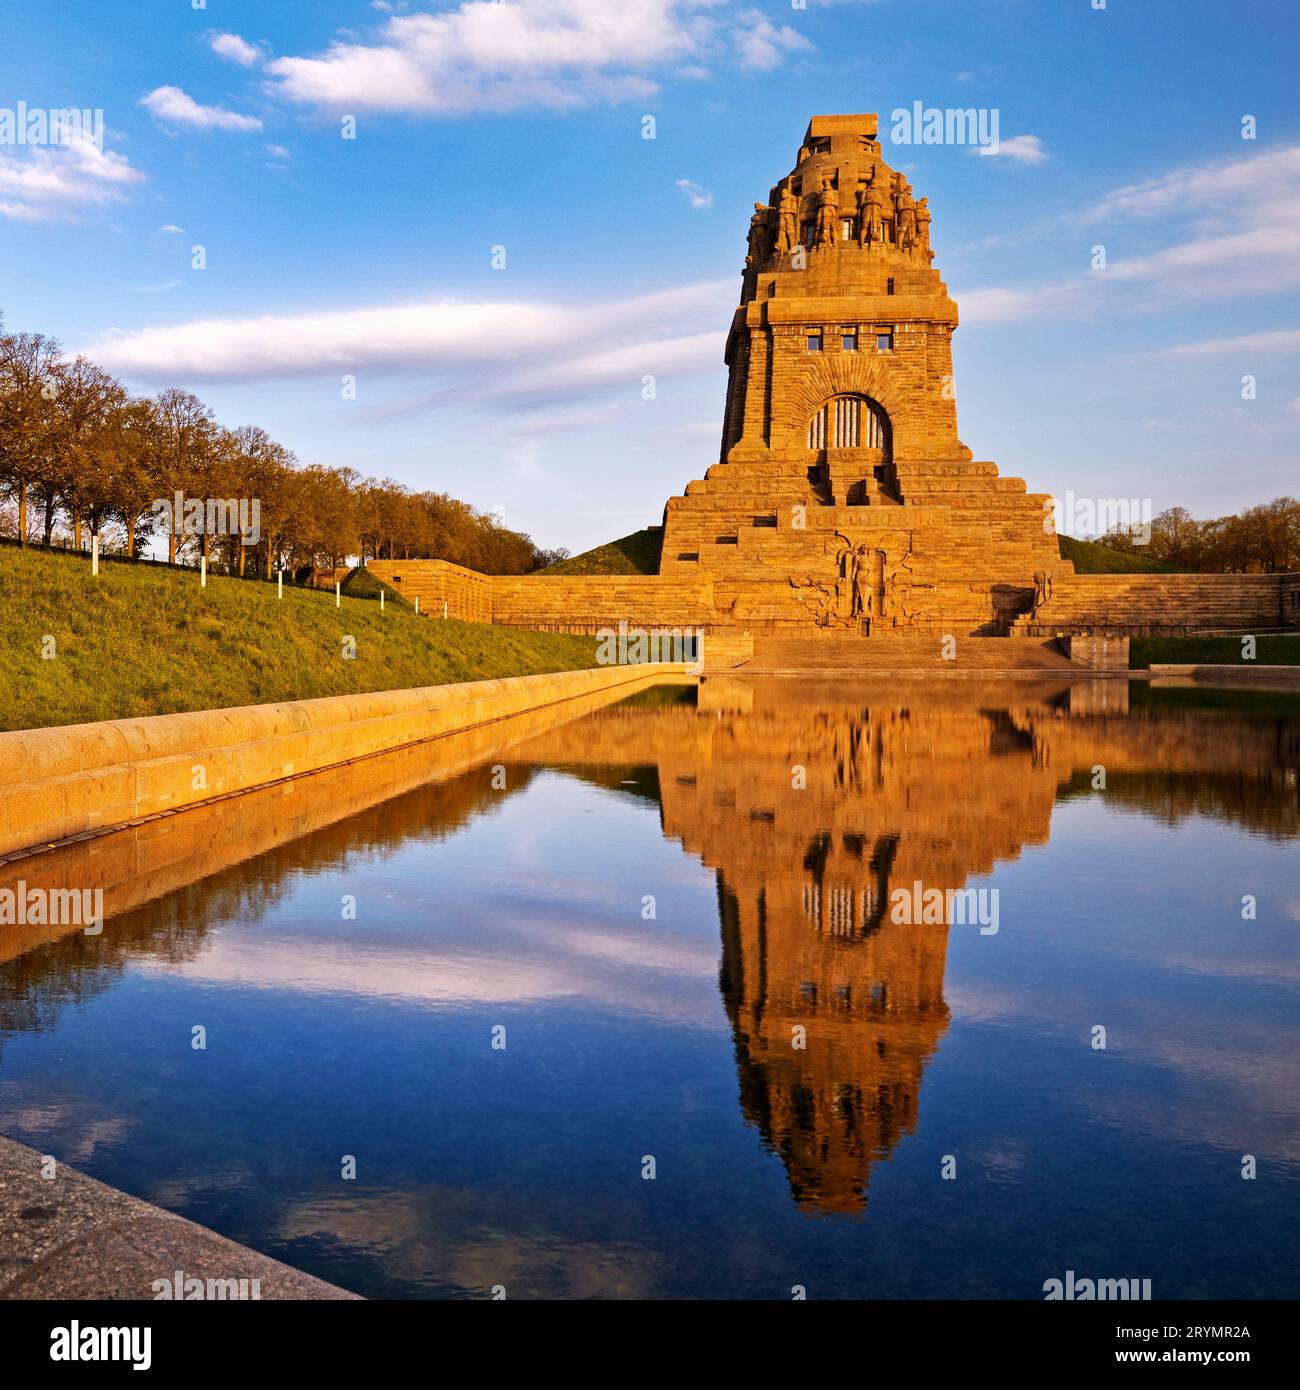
(906, 216)
(923, 229)
(828, 215)
(821, 600)
(759, 240)
(855, 572)
(787, 234)
(1042, 589)
(876, 206)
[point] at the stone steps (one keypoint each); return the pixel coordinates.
(885, 654)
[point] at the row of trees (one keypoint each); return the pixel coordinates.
(80, 456)
(1262, 540)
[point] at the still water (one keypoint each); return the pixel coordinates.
(679, 914)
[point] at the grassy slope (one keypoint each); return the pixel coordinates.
(145, 640)
(634, 554)
(1092, 558)
(1281, 650)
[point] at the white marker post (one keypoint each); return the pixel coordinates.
(444, 610)
(94, 554)
(279, 583)
(417, 603)
(381, 600)
(203, 571)
(338, 597)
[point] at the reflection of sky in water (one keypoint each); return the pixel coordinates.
(478, 1167)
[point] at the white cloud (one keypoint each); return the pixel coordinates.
(523, 354)
(763, 45)
(497, 57)
(1278, 341)
(171, 229)
(278, 151)
(696, 195)
(238, 50)
(41, 182)
(507, 56)
(174, 107)
(1007, 304)
(1024, 149)
(1237, 230)
(1258, 180)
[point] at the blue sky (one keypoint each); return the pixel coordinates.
(520, 124)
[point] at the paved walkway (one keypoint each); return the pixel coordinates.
(72, 1237)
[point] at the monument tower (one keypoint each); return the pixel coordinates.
(844, 499)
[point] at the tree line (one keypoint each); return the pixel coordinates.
(80, 456)
(1261, 540)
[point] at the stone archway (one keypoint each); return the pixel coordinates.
(851, 451)
(831, 374)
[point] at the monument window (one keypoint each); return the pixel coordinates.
(885, 342)
(847, 422)
(849, 342)
(889, 285)
(814, 342)
(846, 229)
(808, 229)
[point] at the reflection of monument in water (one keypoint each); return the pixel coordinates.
(836, 1007)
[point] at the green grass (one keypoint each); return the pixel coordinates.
(1282, 650)
(1267, 704)
(360, 583)
(143, 639)
(1090, 557)
(634, 554)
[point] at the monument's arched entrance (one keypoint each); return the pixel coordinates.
(851, 438)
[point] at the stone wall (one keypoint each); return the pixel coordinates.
(587, 603)
(61, 782)
(1158, 604)
(465, 593)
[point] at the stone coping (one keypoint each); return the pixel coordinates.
(1242, 674)
(69, 1236)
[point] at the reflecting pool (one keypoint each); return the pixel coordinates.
(650, 1001)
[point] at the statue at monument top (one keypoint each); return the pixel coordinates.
(843, 204)
(759, 238)
(923, 229)
(787, 214)
(906, 215)
(828, 209)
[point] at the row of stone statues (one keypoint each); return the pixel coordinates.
(884, 213)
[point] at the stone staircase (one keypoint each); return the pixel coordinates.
(907, 655)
